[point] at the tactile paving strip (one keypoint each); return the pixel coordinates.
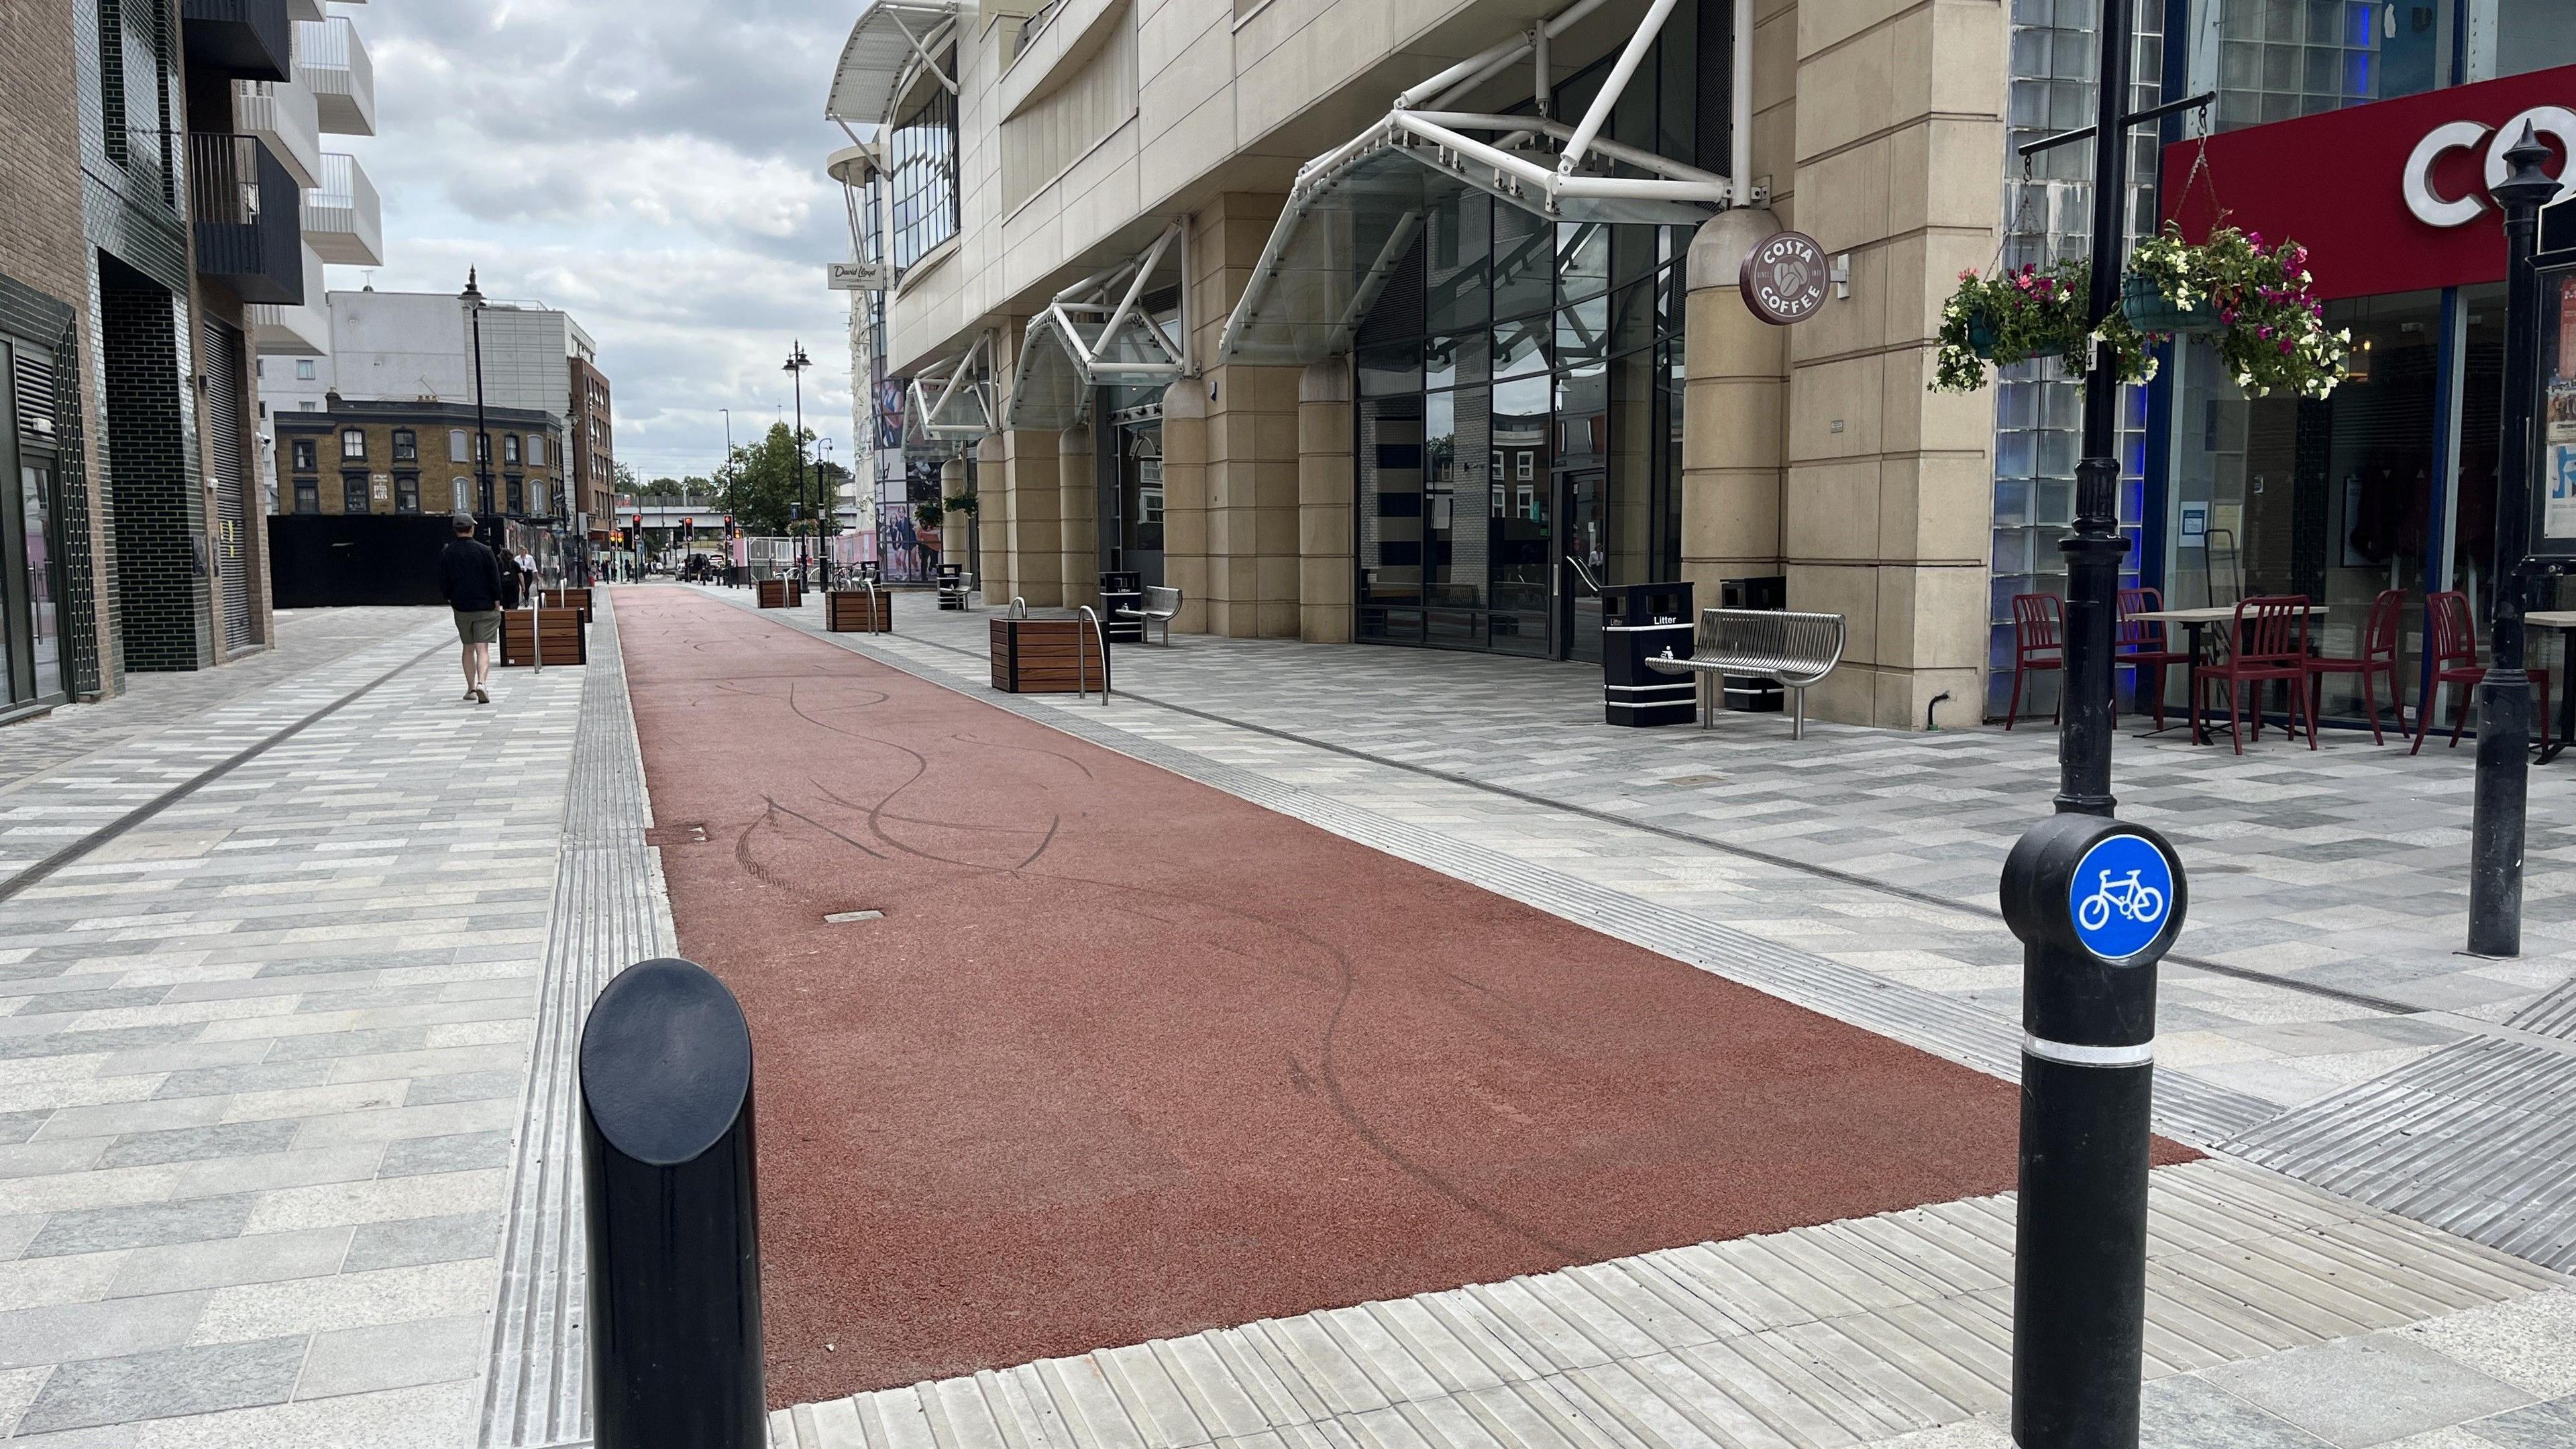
(610, 910)
(1815, 1338)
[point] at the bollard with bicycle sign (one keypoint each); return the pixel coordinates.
(2096, 904)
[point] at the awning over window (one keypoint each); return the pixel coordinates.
(953, 402)
(889, 40)
(1354, 212)
(1098, 333)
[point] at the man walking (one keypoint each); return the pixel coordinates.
(469, 578)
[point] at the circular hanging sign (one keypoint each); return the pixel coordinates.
(2119, 897)
(1784, 278)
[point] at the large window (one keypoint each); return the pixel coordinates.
(406, 445)
(456, 445)
(353, 491)
(1518, 431)
(921, 157)
(353, 443)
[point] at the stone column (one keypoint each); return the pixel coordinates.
(1735, 389)
(1326, 483)
(1898, 138)
(1250, 428)
(1185, 500)
(952, 526)
(1077, 495)
(992, 527)
(1034, 542)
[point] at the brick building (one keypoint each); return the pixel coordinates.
(594, 452)
(420, 457)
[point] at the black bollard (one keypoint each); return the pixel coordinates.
(667, 1168)
(2096, 904)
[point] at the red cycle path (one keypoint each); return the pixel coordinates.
(1129, 1057)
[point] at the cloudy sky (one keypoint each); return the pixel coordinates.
(653, 167)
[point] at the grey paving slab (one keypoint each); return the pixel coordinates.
(228, 1007)
(2357, 1392)
(395, 1356)
(165, 1383)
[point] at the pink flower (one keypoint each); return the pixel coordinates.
(2285, 347)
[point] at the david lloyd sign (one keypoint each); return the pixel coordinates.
(1784, 278)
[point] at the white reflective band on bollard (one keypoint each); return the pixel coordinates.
(2143, 1054)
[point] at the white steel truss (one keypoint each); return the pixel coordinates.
(1366, 198)
(1098, 333)
(960, 410)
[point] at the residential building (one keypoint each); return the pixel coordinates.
(424, 347)
(1415, 323)
(374, 456)
(594, 445)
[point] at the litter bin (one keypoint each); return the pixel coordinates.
(1121, 589)
(1750, 693)
(1640, 622)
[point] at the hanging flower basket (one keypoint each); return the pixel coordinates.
(2255, 302)
(2025, 313)
(2144, 303)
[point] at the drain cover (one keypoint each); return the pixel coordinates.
(843, 918)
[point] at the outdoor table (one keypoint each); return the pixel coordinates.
(2194, 623)
(2564, 621)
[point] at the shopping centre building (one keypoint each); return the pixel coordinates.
(1414, 322)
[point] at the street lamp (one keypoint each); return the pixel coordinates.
(795, 367)
(472, 297)
(2504, 694)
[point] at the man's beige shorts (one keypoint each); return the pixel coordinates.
(479, 628)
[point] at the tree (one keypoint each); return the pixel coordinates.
(622, 478)
(757, 485)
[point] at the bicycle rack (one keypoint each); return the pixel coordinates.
(1081, 660)
(876, 603)
(1019, 608)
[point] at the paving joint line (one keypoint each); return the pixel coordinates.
(1825, 872)
(37, 871)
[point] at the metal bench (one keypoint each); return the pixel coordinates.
(1162, 605)
(1798, 650)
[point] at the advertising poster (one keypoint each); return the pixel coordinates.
(2557, 523)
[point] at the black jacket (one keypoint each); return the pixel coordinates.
(469, 577)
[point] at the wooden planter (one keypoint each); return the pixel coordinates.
(565, 640)
(577, 600)
(782, 594)
(1043, 655)
(856, 611)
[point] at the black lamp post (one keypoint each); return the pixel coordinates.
(795, 367)
(2504, 695)
(472, 297)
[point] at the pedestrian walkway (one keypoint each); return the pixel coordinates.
(2439, 1094)
(266, 1047)
(290, 978)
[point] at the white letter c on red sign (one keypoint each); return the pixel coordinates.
(2556, 122)
(2429, 206)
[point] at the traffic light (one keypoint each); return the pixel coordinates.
(639, 523)
(686, 524)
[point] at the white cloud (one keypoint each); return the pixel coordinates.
(652, 166)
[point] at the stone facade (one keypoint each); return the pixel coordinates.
(317, 475)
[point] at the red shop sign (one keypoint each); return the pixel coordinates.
(2388, 197)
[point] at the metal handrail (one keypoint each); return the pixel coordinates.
(877, 615)
(1019, 608)
(1080, 674)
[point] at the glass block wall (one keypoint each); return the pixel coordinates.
(2039, 406)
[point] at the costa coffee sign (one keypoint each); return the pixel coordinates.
(1783, 278)
(2388, 197)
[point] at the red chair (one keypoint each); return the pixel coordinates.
(2266, 642)
(2453, 643)
(2144, 646)
(2378, 656)
(2039, 645)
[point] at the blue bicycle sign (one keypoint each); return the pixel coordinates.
(2119, 895)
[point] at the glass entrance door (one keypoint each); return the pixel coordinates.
(1582, 566)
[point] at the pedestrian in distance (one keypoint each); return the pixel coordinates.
(469, 578)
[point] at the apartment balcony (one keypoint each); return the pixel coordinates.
(281, 115)
(301, 329)
(247, 213)
(334, 65)
(242, 39)
(343, 220)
